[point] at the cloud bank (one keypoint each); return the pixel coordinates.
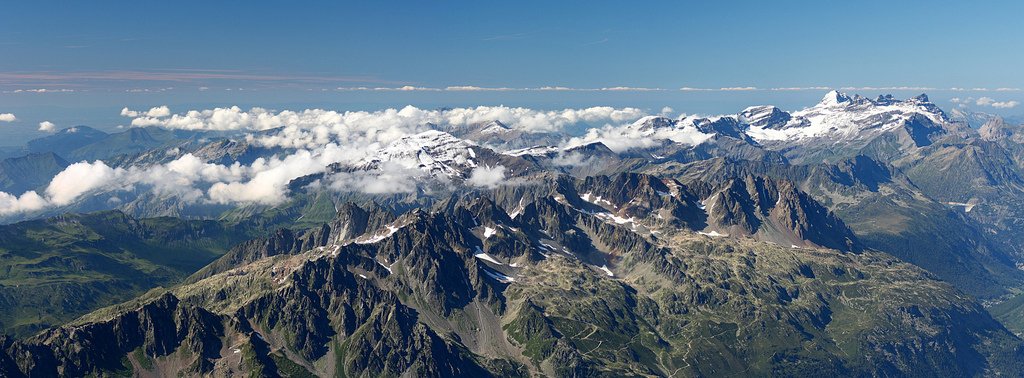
(311, 140)
(7, 117)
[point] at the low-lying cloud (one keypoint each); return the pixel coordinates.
(308, 142)
(257, 119)
(487, 177)
(627, 137)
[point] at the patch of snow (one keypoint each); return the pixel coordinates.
(532, 151)
(597, 200)
(498, 276)
(488, 232)
(967, 206)
(607, 271)
(483, 256)
(378, 237)
(388, 267)
(713, 233)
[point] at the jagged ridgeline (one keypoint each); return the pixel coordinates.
(626, 275)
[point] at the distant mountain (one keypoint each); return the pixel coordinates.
(130, 142)
(56, 269)
(85, 143)
(66, 140)
(29, 172)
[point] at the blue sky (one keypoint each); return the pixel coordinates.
(92, 58)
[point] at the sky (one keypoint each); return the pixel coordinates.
(72, 63)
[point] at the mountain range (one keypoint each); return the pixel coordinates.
(856, 237)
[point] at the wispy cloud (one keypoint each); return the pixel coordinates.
(631, 89)
(43, 90)
(507, 37)
(888, 88)
(785, 89)
(473, 88)
(47, 79)
(984, 101)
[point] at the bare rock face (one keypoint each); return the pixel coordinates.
(776, 211)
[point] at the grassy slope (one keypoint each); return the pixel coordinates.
(56, 269)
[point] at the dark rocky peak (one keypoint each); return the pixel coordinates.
(158, 328)
(723, 126)
(624, 187)
(775, 210)
(592, 149)
(886, 99)
(653, 122)
(352, 220)
(487, 211)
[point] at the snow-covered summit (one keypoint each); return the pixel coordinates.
(840, 117)
(432, 151)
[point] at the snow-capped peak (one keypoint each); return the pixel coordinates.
(834, 98)
(840, 117)
(764, 116)
(494, 127)
(431, 151)
(653, 122)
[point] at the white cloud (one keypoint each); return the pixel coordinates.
(731, 89)
(313, 139)
(318, 124)
(30, 201)
(888, 88)
(44, 90)
(155, 112)
(389, 178)
(631, 89)
(570, 159)
(988, 101)
(783, 89)
(47, 126)
(471, 88)
(7, 117)
(628, 137)
(78, 179)
(487, 177)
